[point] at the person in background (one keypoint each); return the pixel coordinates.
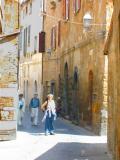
(34, 108)
(49, 114)
(21, 109)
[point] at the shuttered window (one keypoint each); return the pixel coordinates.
(29, 33)
(53, 38)
(59, 33)
(42, 42)
(20, 40)
(76, 5)
(25, 41)
(30, 8)
(35, 44)
(66, 9)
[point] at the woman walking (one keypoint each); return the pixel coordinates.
(21, 109)
(49, 114)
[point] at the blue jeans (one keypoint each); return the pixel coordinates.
(49, 124)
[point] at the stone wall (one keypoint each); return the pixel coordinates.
(9, 69)
(89, 61)
(8, 87)
(113, 50)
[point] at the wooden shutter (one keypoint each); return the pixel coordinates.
(74, 6)
(42, 42)
(29, 32)
(67, 9)
(79, 4)
(52, 38)
(59, 33)
(64, 9)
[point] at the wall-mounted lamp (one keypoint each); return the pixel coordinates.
(87, 20)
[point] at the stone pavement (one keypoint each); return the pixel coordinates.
(69, 143)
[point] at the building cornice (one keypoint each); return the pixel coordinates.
(83, 43)
(2, 36)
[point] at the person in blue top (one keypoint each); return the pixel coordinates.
(34, 107)
(21, 109)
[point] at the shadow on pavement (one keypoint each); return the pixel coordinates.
(75, 151)
(61, 126)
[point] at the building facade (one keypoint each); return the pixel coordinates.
(9, 21)
(112, 49)
(30, 55)
(73, 64)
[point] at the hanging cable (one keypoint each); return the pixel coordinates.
(73, 22)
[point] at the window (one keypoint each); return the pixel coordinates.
(44, 5)
(26, 10)
(76, 5)
(26, 35)
(52, 89)
(59, 33)
(24, 48)
(25, 41)
(53, 38)
(35, 44)
(20, 40)
(30, 8)
(23, 13)
(66, 9)
(29, 32)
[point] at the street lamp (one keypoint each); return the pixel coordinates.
(87, 20)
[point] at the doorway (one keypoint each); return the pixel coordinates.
(90, 94)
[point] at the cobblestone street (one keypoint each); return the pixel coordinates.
(69, 143)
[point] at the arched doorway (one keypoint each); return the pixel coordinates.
(90, 94)
(75, 96)
(66, 85)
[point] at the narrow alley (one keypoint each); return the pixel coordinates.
(69, 143)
